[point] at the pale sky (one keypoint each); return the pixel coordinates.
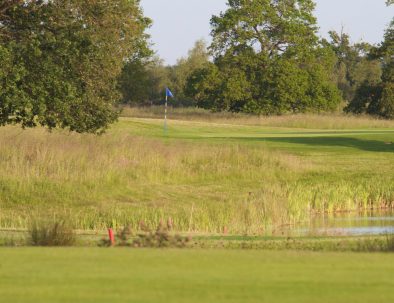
(179, 23)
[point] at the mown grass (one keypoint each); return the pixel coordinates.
(206, 176)
(124, 275)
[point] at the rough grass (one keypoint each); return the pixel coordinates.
(206, 177)
(308, 121)
(382, 243)
(124, 275)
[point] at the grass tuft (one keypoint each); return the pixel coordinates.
(52, 234)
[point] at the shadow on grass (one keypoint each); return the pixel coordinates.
(365, 145)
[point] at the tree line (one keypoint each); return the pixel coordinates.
(68, 63)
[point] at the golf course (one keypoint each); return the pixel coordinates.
(210, 175)
(228, 151)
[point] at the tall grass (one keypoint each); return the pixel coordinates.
(51, 234)
(119, 179)
(307, 121)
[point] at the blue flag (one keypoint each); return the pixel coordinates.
(169, 93)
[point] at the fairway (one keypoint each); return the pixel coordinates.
(123, 275)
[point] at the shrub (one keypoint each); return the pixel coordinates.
(390, 243)
(159, 238)
(52, 234)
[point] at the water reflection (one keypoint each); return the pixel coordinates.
(348, 224)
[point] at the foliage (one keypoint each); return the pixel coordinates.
(143, 83)
(160, 238)
(51, 234)
(60, 61)
(198, 58)
(205, 87)
(353, 67)
(268, 59)
(378, 98)
(134, 83)
(365, 99)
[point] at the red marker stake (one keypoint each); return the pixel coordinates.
(111, 236)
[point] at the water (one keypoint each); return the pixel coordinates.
(348, 224)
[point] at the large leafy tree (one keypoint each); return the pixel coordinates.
(272, 27)
(197, 58)
(143, 82)
(60, 60)
(378, 99)
(268, 59)
(353, 67)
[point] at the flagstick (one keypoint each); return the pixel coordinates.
(165, 116)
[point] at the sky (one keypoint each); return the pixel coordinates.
(179, 23)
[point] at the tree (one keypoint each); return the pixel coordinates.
(268, 59)
(60, 61)
(353, 67)
(384, 106)
(143, 83)
(378, 98)
(197, 58)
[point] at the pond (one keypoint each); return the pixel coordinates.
(347, 224)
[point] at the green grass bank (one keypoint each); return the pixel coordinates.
(245, 175)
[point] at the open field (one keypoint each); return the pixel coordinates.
(245, 177)
(122, 275)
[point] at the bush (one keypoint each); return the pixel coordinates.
(390, 243)
(52, 234)
(160, 238)
(147, 238)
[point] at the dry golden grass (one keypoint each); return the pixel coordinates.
(54, 172)
(306, 121)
